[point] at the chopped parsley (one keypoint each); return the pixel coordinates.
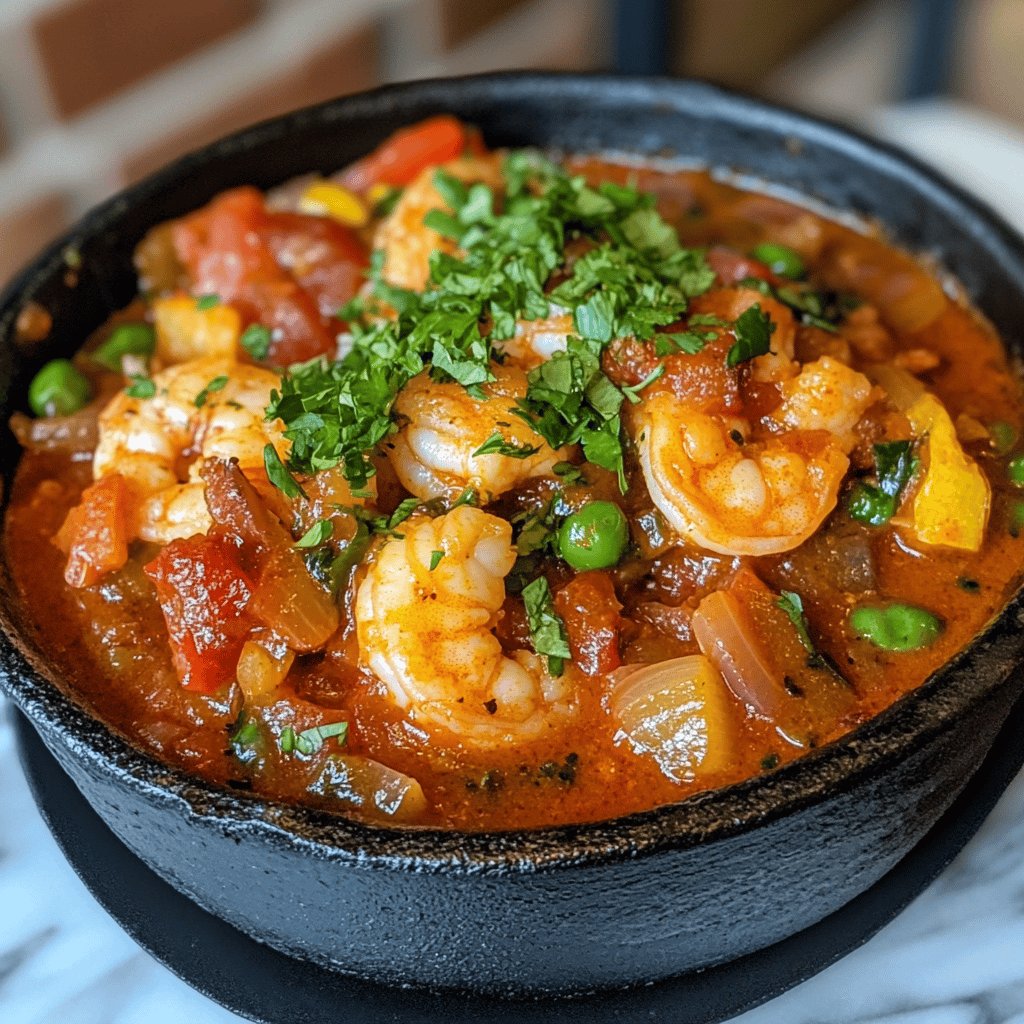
(895, 466)
(753, 329)
(311, 741)
(792, 604)
(278, 475)
(141, 387)
(217, 384)
(256, 341)
(318, 534)
(631, 391)
(497, 445)
(633, 279)
(547, 630)
(204, 302)
(435, 559)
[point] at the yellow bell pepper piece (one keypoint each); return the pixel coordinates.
(183, 331)
(378, 192)
(325, 198)
(952, 503)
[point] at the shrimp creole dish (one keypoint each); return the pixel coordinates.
(494, 489)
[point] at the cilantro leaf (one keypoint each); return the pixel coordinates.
(141, 387)
(204, 302)
(217, 384)
(256, 341)
(792, 604)
(311, 741)
(319, 533)
(753, 329)
(278, 475)
(547, 631)
(497, 445)
(895, 466)
(435, 559)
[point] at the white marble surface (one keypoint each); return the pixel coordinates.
(955, 956)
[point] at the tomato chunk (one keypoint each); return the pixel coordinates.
(590, 610)
(96, 531)
(203, 593)
(403, 155)
(289, 271)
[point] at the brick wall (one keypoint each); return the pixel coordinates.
(96, 93)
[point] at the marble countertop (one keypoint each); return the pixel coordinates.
(955, 956)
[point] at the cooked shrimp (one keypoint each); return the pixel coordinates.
(768, 494)
(403, 237)
(442, 425)
(150, 441)
(536, 341)
(427, 633)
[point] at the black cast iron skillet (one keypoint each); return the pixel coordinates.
(571, 908)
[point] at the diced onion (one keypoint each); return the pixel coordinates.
(678, 713)
(261, 670)
(372, 787)
(725, 635)
(902, 387)
(292, 603)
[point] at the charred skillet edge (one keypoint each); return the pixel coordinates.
(927, 712)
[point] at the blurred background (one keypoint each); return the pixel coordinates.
(97, 93)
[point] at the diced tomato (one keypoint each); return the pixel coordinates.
(731, 266)
(289, 271)
(401, 157)
(326, 259)
(590, 610)
(203, 592)
(96, 531)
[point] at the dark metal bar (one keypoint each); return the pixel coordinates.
(930, 68)
(641, 30)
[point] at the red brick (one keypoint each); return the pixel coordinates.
(347, 65)
(460, 19)
(92, 49)
(27, 228)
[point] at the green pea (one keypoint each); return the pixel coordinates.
(595, 537)
(125, 340)
(58, 389)
(1015, 470)
(897, 626)
(780, 259)
(1004, 437)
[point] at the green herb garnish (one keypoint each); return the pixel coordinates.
(319, 533)
(256, 341)
(278, 474)
(497, 445)
(547, 630)
(311, 741)
(792, 604)
(140, 387)
(753, 329)
(435, 559)
(208, 301)
(634, 279)
(895, 467)
(217, 384)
